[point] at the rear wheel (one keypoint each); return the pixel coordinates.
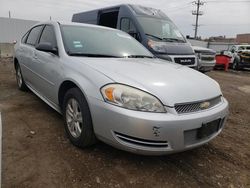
(77, 119)
(19, 78)
(235, 65)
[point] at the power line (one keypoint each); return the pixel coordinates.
(197, 13)
(179, 9)
(228, 1)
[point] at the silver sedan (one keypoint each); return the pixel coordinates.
(109, 87)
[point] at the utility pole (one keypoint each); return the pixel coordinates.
(197, 13)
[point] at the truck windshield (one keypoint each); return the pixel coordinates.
(101, 42)
(161, 29)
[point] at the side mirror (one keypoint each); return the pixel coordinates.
(134, 34)
(47, 47)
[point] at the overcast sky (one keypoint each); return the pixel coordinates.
(221, 17)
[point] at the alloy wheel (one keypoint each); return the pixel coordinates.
(74, 118)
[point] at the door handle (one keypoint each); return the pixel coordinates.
(35, 56)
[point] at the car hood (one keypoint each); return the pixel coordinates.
(199, 49)
(173, 48)
(171, 83)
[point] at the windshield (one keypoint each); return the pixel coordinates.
(101, 42)
(161, 29)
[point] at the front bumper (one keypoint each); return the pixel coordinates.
(244, 64)
(152, 133)
(206, 66)
(174, 58)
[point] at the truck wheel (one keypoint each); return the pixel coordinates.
(77, 119)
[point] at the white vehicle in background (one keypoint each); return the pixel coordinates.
(240, 56)
(205, 58)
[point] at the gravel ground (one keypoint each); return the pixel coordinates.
(37, 153)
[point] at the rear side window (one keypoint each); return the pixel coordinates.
(48, 35)
(24, 37)
(34, 33)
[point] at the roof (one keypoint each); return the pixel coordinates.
(137, 9)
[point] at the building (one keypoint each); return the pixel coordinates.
(243, 38)
(221, 39)
(11, 30)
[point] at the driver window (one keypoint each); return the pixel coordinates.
(127, 25)
(48, 35)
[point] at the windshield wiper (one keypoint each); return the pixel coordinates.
(90, 55)
(139, 56)
(165, 39)
(173, 40)
(159, 38)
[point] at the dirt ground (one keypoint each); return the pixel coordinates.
(36, 152)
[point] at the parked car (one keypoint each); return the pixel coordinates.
(222, 61)
(240, 56)
(149, 26)
(205, 58)
(109, 87)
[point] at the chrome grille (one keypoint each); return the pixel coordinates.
(141, 142)
(196, 106)
(185, 61)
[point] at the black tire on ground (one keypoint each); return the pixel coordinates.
(19, 78)
(87, 135)
(235, 65)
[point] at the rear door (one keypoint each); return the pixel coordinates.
(27, 60)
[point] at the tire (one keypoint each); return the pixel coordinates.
(77, 119)
(19, 78)
(235, 65)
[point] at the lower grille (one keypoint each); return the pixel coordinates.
(191, 136)
(185, 61)
(197, 106)
(207, 58)
(140, 141)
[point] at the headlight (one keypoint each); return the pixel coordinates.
(131, 98)
(157, 46)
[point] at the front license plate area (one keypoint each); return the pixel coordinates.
(208, 129)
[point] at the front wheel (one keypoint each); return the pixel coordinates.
(77, 119)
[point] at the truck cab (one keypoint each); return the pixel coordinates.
(151, 27)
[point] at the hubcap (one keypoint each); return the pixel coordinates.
(74, 118)
(19, 77)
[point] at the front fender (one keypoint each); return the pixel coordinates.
(88, 80)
